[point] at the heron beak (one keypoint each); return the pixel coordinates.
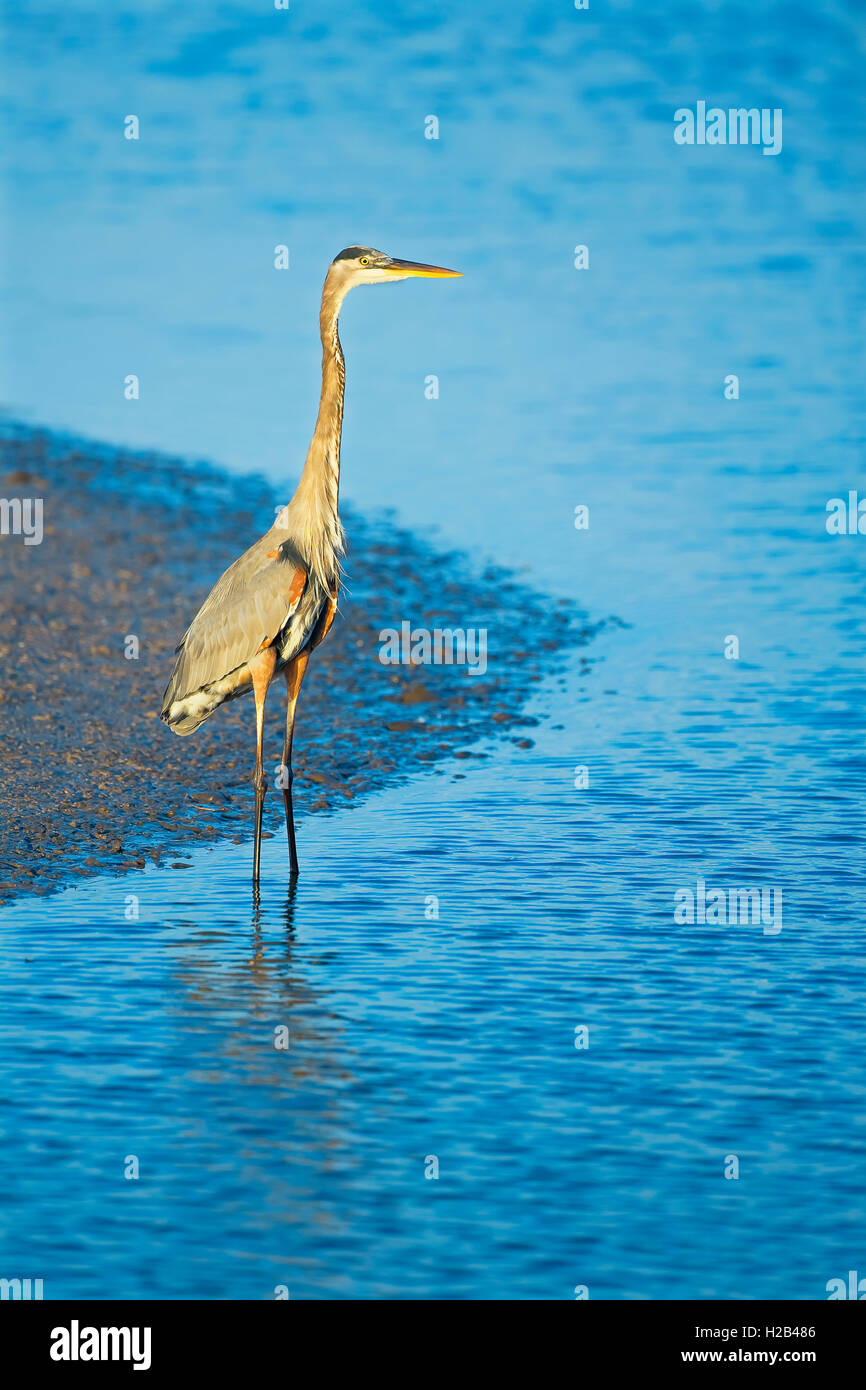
(416, 268)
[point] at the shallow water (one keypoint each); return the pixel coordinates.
(454, 1037)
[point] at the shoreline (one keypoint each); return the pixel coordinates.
(89, 618)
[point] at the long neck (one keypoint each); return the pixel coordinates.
(316, 501)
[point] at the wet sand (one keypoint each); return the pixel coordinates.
(93, 781)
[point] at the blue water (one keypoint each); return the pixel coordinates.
(416, 1037)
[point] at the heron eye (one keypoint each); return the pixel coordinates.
(365, 260)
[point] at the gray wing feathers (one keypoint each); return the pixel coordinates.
(246, 608)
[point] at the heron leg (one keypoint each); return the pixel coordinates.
(294, 675)
(261, 670)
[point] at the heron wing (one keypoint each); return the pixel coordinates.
(243, 613)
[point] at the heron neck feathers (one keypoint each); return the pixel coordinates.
(315, 507)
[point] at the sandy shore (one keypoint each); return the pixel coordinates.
(92, 780)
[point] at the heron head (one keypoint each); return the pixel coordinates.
(362, 265)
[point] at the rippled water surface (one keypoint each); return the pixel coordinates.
(414, 1036)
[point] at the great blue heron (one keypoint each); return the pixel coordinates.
(275, 604)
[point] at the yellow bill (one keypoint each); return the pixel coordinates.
(395, 267)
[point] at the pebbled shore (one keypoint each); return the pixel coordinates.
(93, 781)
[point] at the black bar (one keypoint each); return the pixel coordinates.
(229, 1338)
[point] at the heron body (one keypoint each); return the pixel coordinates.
(270, 586)
(275, 604)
